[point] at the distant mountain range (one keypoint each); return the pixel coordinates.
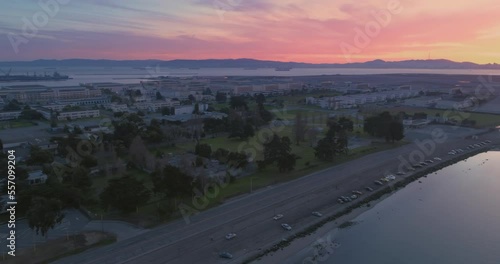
(249, 63)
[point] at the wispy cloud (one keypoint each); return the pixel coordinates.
(280, 30)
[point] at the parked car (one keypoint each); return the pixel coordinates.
(378, 183)
(278, 216)
(357, 192)
(230, 236)
(286, 227)
(369, 189)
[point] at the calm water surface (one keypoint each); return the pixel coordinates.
(452, 216)
(131, 75)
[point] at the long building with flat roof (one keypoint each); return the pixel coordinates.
(44, 94)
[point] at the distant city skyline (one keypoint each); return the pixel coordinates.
(287, 30)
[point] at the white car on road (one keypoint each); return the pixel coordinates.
(318, 214)
(278, 216)
(286, 227)
(230, 236)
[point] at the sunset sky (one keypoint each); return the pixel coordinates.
(318, 31)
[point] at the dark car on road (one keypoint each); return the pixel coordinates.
(226, 255)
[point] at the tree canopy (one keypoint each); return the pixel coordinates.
(125, 194)
(278, 150)
(44, 214)
(385, 126)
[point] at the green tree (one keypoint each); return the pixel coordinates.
(196, 110)
(300, 128)
(79, 178)
(395, 131)
(13, 105)
(260, 98)
(215, 126)
(165, 110)
(44, 214)
(172, 182)
(385, 126)
(221, 155)
(125, 194)
(39, 156)
(203, 150)
(237, 160)
(220, 97)
(278, 150)
(238, 103)
(335, 141)
(264, 114)
(325, 149)
(30, 114)
(89, 161)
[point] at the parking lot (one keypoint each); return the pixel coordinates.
(451, 132)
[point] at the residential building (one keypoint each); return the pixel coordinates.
(9, 115)
(71, 115)
(36, 177)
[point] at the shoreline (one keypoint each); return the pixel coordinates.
(302, 241)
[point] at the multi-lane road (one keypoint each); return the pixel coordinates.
(251, 216)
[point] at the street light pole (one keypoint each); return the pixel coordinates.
(251, 184)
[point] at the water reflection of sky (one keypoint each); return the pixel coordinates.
(453, 216)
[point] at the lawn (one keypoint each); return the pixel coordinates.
(482, 119)
(271, 175)
(62, 247)
(16, 124)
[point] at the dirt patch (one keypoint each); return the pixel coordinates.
(58, 248)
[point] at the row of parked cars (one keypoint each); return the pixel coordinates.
(471, 146)
(355, 194)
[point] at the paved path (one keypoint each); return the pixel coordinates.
(74, 222)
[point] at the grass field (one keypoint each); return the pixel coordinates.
(15, 124)
(482, 119)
